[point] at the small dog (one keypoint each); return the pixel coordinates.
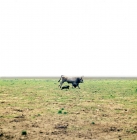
(65, 87)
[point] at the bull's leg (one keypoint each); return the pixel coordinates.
(61, 83)
(78, 86)
(73, 85)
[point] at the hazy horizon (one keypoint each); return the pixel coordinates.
(53, 38)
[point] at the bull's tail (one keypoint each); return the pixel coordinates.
(60, 78)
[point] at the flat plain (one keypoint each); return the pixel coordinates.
(37, 109)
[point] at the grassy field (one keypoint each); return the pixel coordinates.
(36, 109)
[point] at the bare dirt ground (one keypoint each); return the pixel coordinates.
(74, 126)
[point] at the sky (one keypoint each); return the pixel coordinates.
(74, 37)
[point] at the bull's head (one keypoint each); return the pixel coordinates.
(81, 80)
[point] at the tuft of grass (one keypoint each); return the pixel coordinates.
(60, 112)
(24, 132)
(38, 115)
(131, 131)
(93, 123)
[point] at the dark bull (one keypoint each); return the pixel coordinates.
(73, 80)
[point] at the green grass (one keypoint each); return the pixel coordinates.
(47, 90)
(106, 98)
(121, 91)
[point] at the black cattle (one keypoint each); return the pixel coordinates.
(65, 87)
(73, 80)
